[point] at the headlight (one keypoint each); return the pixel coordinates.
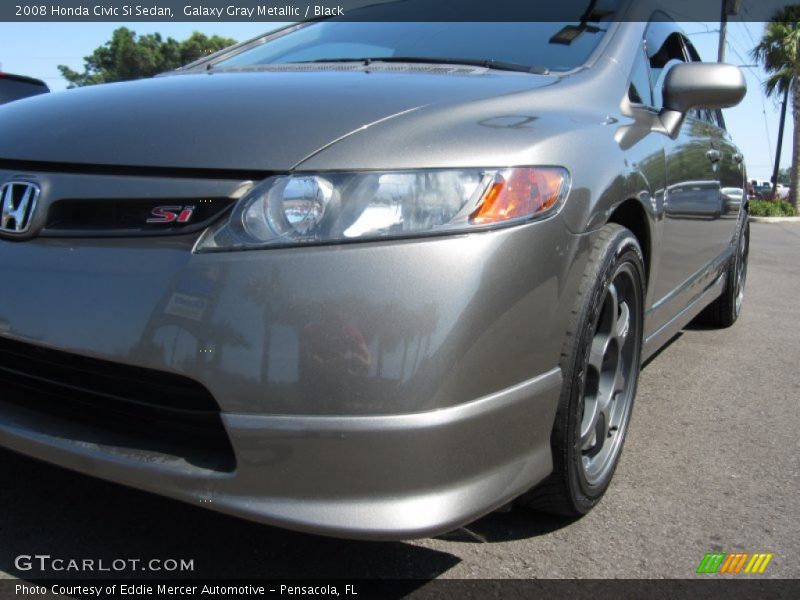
(327, 208)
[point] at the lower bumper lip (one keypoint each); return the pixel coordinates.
(378, 477)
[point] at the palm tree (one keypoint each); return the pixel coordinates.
(779, 52)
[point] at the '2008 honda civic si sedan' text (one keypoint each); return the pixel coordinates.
(366, 279)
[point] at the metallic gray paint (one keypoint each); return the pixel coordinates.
(438, 405)
(428, 310)
(688, 86)
(363, 477)
(707, 85)
(211, 116)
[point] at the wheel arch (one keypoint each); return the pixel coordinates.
(631, 214)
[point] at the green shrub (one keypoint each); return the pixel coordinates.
(771, 208)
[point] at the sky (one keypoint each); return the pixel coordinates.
(35, 49)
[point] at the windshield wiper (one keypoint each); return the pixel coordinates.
(485, 63)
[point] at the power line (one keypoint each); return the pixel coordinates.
(742, 46)
(735, 49)
(732, 44)
(749, 35)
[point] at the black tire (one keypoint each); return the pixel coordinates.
(724, 311)
(572, 489)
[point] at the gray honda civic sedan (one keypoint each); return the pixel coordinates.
(366, 279)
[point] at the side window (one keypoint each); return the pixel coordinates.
(720, 120)
(665, 47)
(693, 56)
(639, 91)
(691, 52)
(709, 116)
(712, 117)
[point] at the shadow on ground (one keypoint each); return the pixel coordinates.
(49, 510)
(515, 524)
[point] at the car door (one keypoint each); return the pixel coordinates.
(693, 231)
(732, 175)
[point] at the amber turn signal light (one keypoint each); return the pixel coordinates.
(520, 192)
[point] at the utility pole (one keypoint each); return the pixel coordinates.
(723, 31)
(780, 142)
(729, 8)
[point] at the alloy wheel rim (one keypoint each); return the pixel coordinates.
(610, 377)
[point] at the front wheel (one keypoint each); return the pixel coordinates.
(600, 363)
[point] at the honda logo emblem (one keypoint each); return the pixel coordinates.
(17, 205)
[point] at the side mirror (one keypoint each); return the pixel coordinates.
(699, 85)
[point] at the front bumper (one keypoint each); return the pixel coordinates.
(379, 477)
(377, 390)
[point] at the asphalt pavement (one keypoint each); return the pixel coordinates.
(712, 463)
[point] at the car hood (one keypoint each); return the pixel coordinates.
(263, 120)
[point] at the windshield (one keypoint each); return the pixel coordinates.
(532, 45)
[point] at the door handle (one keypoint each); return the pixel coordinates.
(738, 157)
(714, 155)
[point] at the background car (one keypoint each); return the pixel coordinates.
(732, 198)
(762, 191)
(16, 87)
(782, 191)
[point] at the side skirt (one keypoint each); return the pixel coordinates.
(665, 333)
